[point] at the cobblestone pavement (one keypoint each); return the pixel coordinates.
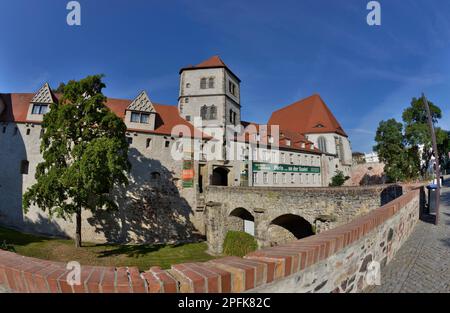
(423, 263)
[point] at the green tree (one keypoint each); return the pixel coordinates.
(417, 131)
(399, 161)
(60, 88)
(85, 154)
(338, 179)
(444, 149)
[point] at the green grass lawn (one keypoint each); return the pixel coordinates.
(142, 256)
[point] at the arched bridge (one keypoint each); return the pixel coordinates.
(278, 215)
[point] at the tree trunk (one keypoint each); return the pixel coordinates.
(78, 230)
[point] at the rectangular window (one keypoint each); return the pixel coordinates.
(135, 118)
(24, 165)
(203, 83)
(140, 117)
(39, 109)
(283, 158)
(291, 158)
(148, 143)
(255, 154)
(145, 118)
(255, 178)
(283, 176)
(264, 155)
(167, 143)
(265, 178)
(130, 140)
(292, 178)
(188, 118)
(36, 109)
(275, 178)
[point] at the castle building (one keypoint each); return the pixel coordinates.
(176, 151)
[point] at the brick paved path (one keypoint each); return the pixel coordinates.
(423, 263)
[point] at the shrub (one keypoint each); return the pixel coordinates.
(238, 243)
(338, 179)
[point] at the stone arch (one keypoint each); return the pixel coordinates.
(240, 219)
(220, 176)
(288, 227)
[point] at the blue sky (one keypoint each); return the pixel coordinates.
(282, 51)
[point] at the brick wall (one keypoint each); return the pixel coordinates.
(333, 261)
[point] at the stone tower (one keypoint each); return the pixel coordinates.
(210, 91)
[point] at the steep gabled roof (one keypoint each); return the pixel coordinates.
(213, 62)
(142, 103)
(307, 116)
(44, 95)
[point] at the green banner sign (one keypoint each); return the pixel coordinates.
(268, 167)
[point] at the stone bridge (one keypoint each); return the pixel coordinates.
(278, 215)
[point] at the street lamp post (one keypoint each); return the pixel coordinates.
(436, 157)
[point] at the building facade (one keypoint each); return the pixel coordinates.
(176, 151)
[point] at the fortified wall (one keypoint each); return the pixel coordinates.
(280, 215)
(337, 260)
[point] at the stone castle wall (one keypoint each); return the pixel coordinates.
(338, 260)
(323, 208)
(153, 207)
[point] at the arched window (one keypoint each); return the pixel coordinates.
(212, 112)
(203, 83)
(203, 112)
(211, 82)
(322, 142)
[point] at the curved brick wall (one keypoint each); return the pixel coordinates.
(332, 261)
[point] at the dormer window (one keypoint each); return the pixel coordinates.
(39, 108)
(288, 142)
(142, 118)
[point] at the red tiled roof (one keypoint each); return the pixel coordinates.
(213, 62)
(17, 108)
(307, 116)
(296, 138)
